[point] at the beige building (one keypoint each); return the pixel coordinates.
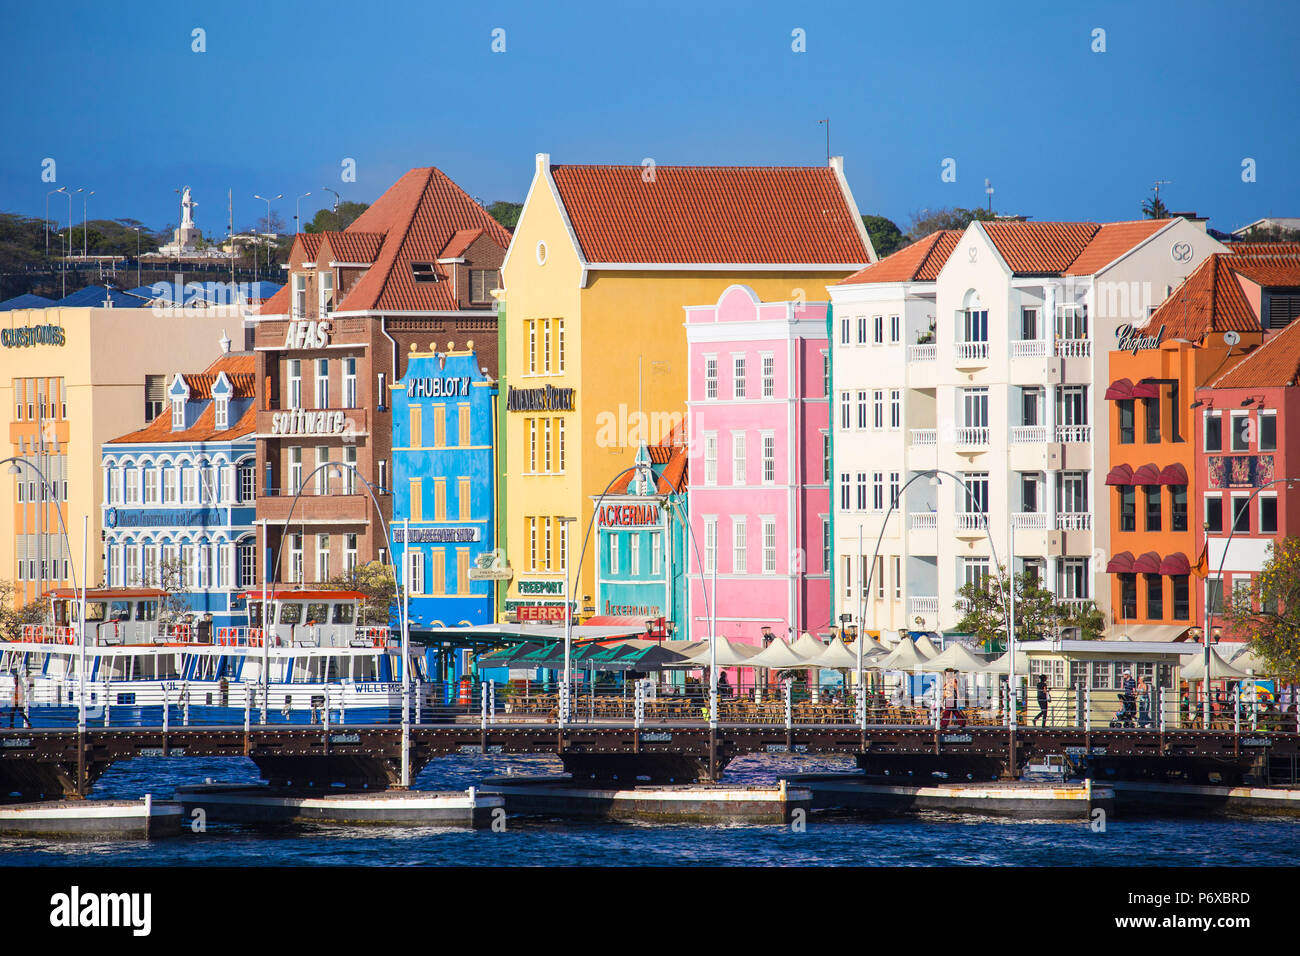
(71, 379)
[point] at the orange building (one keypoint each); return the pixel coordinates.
(1155, 514)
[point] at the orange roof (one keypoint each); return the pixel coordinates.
(1275, 363)
(203, 429)
(239, 369)
(350, 246)
(673, 454)
(1039, 248)
(1111, 241)
(1212, 299)
(306, 245)
(461, 240)
(711, 214)
(918, 262)
(278, 304)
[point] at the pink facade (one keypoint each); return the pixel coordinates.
(759, 501)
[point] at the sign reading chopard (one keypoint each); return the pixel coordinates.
(1131, 339)
(548, 399)
(302, 421)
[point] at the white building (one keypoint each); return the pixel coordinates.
(984, 354)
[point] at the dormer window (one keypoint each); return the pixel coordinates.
(223, 413)
(325, 293)
(299, 295)
(425, 272)
(178, 414)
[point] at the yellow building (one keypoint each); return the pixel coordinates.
(72, 378)
(592, 350)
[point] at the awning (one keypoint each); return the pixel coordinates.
(1174, 474)
(1147, 475)
(1119, 390)
(1121, 563)
(1120, 475)
(1174, 564)
(1148, 563)
(1146, 390)
(1163, 633)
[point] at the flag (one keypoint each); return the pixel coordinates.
(1202, 566)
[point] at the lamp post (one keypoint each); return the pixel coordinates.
(1209, 634)
(297, 225)
(268, 229)
(85, 201)
(337, 197)
(566, 521)
(137, 256)
(68, 246)
(61, 189)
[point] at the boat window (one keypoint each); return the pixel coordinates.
(290, 614)
(344, 613)
(365, 669)
(95, 611)
(117, 667)
(169, 666)
(318, 613)
(146, 610)
(61, 613)
(120, 611)
(254, 613)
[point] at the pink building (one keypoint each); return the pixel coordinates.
(759, 500)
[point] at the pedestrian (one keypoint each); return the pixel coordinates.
(1127, 699)
(19, 701)
(1143, 702)
(724, 686)
(1043, 698)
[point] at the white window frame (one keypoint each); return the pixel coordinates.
(768, 443)
(739, 545)
(769, 544)
(739, 464)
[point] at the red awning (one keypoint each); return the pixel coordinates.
(1120, 475)
(1119, 390)
(1176, 564)
(1147, 475)
(1148, 563)
(1146, 390)
(1174, 474)
(1121, 563)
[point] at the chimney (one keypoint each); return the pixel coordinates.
(543, 162)
(225, 343)
(837, 164)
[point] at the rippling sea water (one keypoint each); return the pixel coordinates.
(930, 840)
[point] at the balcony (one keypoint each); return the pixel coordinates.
(1029, 348)
(969, 521)
(1073, 434)
(919, 605)
(1073, 348)
(1074, 521)
(923, 353)
(973, 436)
(925, 436)
(1028, 434)
(967, 353)
(1075, 604)
(1030, 521)
(313, 508)
(923, 521)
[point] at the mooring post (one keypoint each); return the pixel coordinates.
(81, 763)
(483, 716)
(185, 698)
(789, 714)
(492, 702)
(166, 717)
(1161, 725)
(107, 704)
(248, 714)
(1087, 721)
(325, 739)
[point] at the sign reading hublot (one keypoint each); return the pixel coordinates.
(548, 399)
(437, 388)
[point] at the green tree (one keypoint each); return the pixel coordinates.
(13, 618)
(926, 221)
(1039, 615)
(886, 237)
(377, 583)
(335, 220)
(1267, 613)
(1155, 208)
(506, 213)
(171, 578)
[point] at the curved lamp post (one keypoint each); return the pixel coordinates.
(1205, 636)
(1008, 600)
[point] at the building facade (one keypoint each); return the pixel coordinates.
(444, 483)
(760, 504)
(974, 364)
(179, 494)
(415, 269)
(73, 378)
(593, 347)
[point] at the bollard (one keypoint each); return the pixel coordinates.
(492, 702)
(483, 706)
(1162, 710)
(789, 704)
(327, 708)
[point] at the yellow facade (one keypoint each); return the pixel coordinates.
(624, 349)
(94, 390)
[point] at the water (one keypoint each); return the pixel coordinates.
(828, 841)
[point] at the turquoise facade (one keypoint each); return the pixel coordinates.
(444, 469)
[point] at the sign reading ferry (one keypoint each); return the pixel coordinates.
(314, 334)
(548, 399)
(302, 421)
(613, 516)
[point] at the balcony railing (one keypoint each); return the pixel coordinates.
(1075, 604)
(1073, 434)
(925, 436)
(973, 435)
(923, 353)
(923, 521)
(1074, 521)
(1073, 348)
(971, 351)
(1029, 521)
(1028, 434)
(969, 521)
(1028, 348)
(923, 605)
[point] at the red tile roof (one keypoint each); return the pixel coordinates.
(461, 240)
(673, 454)
(349, 246)
(1212, 299)
(919, 262)
(711, 214)
(1111, 241)
(1275, 363)
(306, 245)
(240, 370)
(416, 219)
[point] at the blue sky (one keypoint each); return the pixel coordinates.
(1013, 92)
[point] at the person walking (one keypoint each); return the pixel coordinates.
(1129, 691)
(1043, 699)
(19, 703)
(1143, 702)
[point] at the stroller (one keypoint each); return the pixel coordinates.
(1125, 716)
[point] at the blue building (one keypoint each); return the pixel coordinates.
(444, 469)
(642, 543)
(179, 493)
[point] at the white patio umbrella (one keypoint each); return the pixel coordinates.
(999, 666)
(808, 647)
(960, 658)
(1247, 660)
(1219, 669)
(926, 646)
(730, 654)
(837, 656)
(778, 656)
(905, 657)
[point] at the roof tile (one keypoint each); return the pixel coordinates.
(918, 262)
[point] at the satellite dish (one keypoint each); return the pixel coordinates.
(1232, 338)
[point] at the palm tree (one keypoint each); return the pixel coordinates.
(1155, 208)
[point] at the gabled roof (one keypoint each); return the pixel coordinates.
(1275, 363)
(711, 215)
(278, 304)
(240, 372)
(919, 262)
(349, 246)
(306, 245)
(1066, 248)
(669, 458)
(94, 296)
(1212, 299)
(27, 300)
(1112, 240)
(460, 241)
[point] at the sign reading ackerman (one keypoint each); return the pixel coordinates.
(548, 399)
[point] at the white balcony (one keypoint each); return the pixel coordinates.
(972, 436)
(969, 521)
(922, 605)
(923, 353)
(1075, 604)
(1029, 521)
(1029, 348)
(1073, 348)
(923, 521)
(1074, 521)
(971, 352)
(1073, 434)
(925, 436)
(1028, 434)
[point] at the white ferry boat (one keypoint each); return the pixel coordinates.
(314, 654)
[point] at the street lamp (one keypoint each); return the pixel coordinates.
(61, 189)
(137, 256)
(337, 197)
(85, 200)
(268, 229)
(297, 226)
